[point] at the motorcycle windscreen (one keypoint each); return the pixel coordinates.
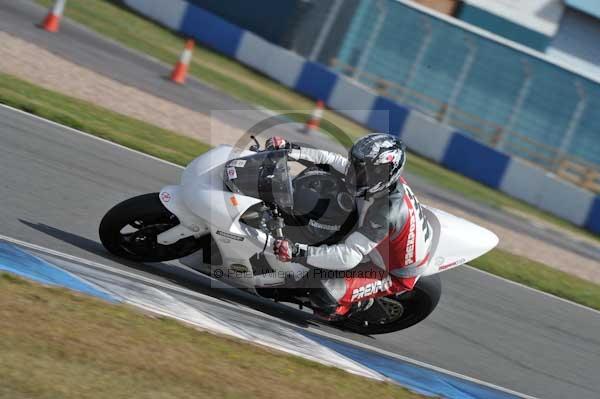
(264, 175)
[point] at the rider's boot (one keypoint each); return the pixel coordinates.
(324, 304)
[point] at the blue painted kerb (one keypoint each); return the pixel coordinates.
(418, 379)
(19, 262)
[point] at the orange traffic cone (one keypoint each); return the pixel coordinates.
(181, 68)
(52, 21)
(315, 118)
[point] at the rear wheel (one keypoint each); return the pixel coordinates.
(389, 314)
(129, 230)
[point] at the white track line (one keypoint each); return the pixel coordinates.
(233, 307)
(181, 167)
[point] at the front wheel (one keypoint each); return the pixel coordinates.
(390, 314)
(129, 231)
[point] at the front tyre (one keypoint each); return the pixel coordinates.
(390, 314)
(129, 231)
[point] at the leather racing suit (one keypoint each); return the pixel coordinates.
(385, 252)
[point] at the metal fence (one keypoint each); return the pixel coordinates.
(509, 99)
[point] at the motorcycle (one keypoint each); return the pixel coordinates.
(231, 204)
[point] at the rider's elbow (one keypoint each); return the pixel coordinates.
(352, 259)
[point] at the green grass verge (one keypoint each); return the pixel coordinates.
(109, 19)
(98, 121)
(540, 276)
(59, 344)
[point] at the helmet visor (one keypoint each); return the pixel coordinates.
(356, 179)
(362, 176)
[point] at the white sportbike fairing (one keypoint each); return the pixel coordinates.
(227, 210)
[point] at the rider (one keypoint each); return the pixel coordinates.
(386, 251)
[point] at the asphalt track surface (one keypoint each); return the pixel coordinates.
(56, 185)
(84, 47)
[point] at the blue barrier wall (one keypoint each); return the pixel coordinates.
(272, 22)
(211, 31)
(396, 116)
(475, 160)
(422, 134)
(316, 81)
(593, 220)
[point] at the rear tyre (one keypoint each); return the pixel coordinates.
(129, 231)
(390, 314)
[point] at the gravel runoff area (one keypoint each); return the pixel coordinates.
(37, 65)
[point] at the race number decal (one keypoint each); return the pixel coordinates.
(231, 173)
(238, 163)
